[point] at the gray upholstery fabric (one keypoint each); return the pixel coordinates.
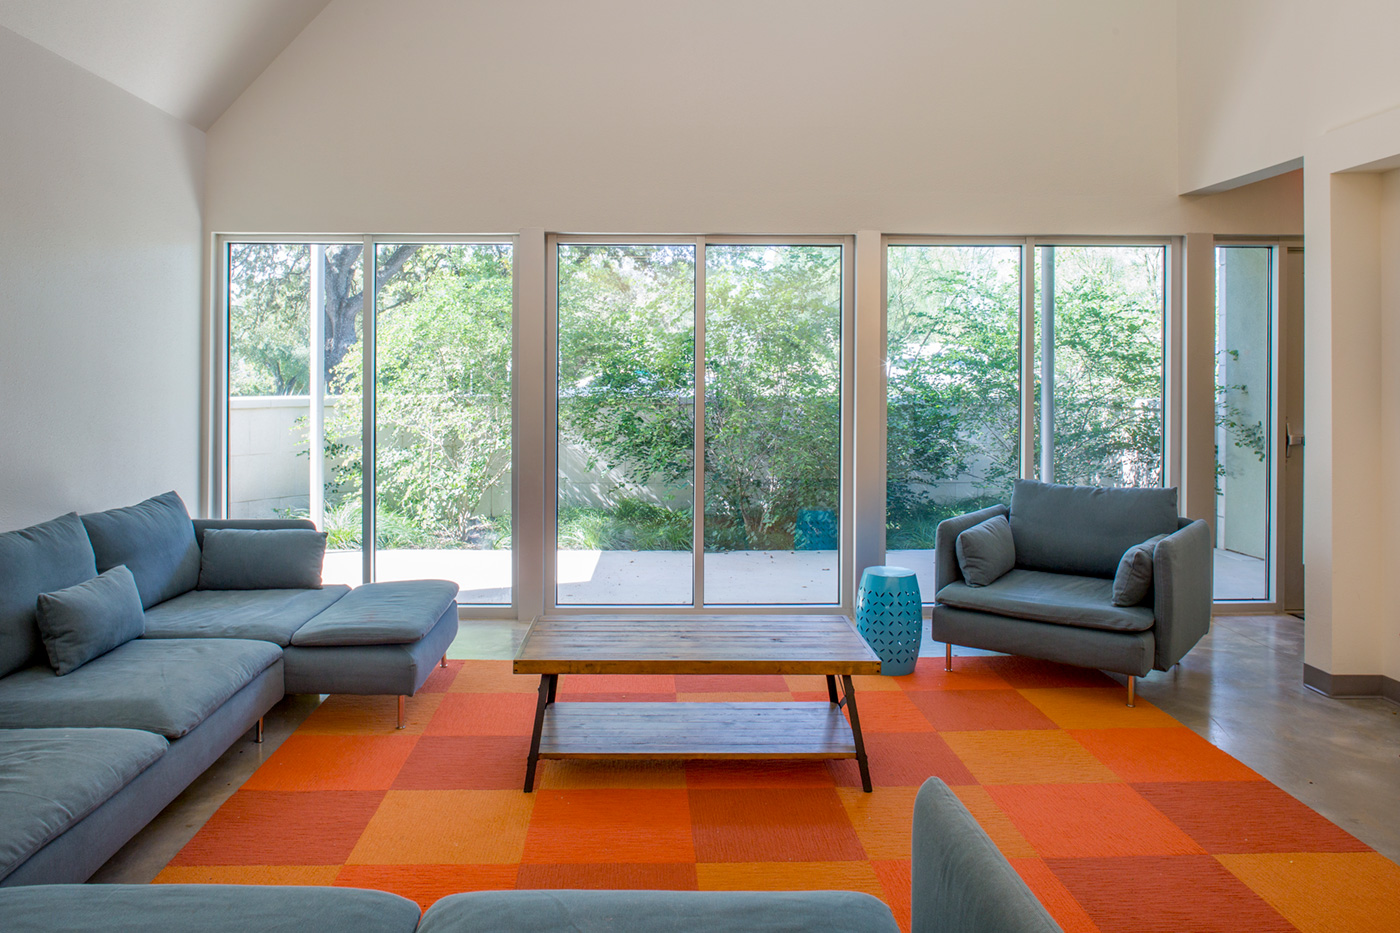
(1061, 598)
(945, 554)
(1133, 579)
(88, 844)
(34, 560)
(89, 619)
(164, 685)
(370, 670)
(201, 525)
(1085, 529)
(154, 539)
(397, 613)
(1183, 567)
(986, 551)
(203, 908)
(239, 559)
(265, 615)
(658, 911)
(961, 882)
(52, 778)
(1123, 652)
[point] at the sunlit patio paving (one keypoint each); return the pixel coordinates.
(600, 578)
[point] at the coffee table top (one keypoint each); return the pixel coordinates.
(696, 644)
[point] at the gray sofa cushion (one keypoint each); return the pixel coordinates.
(395, 613)
(34, 560)
(265, 615)
(671, 911)
(203, 908)
(1062, 598)
(986, 551)
(243, 559)
(154, 539)
(1133, 579)
(52, 778)
(1085, 529)
(163, 685)
(89, 619)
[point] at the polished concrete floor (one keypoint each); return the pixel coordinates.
(1241, 688)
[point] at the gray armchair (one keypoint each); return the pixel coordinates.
(1057, 604)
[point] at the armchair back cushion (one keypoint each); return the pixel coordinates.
(1085, 529)
(40, 559)
(154, 539)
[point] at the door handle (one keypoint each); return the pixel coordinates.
(1291, 440)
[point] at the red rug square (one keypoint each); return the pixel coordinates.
(761, 825)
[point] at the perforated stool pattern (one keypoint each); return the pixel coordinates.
(889, 615)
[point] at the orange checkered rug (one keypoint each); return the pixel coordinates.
(1117, 818)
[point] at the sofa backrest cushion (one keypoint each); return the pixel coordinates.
(89, 619)
(154, 539)
(34, 560)
(1085, 529)
(285, 559)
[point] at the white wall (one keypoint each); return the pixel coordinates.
(1259, 79)
(1389, 621)
(100, 264)
(787, 116)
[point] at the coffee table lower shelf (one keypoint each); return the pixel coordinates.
(696, 730)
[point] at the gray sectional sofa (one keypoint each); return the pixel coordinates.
(960, 884)
(89, 757)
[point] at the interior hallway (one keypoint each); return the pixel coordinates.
(1241, 688)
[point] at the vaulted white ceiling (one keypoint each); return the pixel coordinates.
(190, 58)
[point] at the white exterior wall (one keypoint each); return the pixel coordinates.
(100, 264)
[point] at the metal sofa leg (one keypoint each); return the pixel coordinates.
(443, 663)
(403, 723)
(947, 656)
(1131, 681)
(257, 735)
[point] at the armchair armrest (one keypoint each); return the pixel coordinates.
(1183, 567)
(961, 882)
(202, 525)
(945, 554)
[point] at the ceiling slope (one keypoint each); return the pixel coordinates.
(190, 58)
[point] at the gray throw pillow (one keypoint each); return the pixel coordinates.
(88, 620)
(1134, 577)
(986, 551)
(247, 559)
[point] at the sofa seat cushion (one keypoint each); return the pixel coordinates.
(1062, 598)
(397, 613)
(265, 615)
(40, 559)
(203, 908)
(162, 685)
(52, 778)
(673, 911)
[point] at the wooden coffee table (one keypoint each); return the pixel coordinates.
(747, 644)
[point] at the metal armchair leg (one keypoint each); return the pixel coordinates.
(403, 723)
(257, 734)
(947, 656)
(1131, 690)
(443, 662)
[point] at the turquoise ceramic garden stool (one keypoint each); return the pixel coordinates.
(890, 616)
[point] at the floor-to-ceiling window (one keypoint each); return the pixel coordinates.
(953, 338)
(1244, 389)
(638, 325)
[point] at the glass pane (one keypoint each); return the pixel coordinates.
(443, 410)
(1108, 306)
(275, 419)
(626, 413)
(952, 435)
(772, 424)
(1243, 393)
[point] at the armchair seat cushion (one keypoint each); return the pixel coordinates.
(264, 615)
(1060, 598)
(163, 685)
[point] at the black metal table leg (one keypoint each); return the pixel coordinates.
(546, 696)
(553, 686)
(831, 688)
(850, 692)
